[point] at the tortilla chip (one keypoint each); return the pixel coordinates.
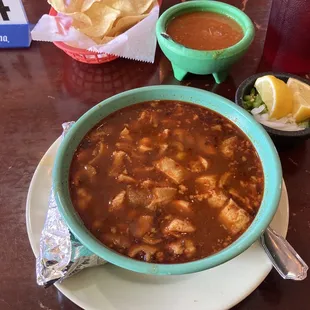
(102, 18)
(102, 40)
(87, 4)
(130, 7)
(80, 20)
(72, 6)
(124, 23)
(106, 39)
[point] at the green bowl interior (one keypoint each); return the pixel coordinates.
(255, 132)
(211, 6)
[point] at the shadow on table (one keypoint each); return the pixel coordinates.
(94, 83)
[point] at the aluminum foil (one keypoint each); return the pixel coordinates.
(61, 255)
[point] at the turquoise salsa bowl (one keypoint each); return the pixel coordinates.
(254, 131)
(217, 62)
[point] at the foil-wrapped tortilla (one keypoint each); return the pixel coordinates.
(61, 254)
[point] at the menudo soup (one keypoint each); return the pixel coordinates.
(166, 182)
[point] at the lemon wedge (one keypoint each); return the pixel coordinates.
(301, 99)
(301, 107)
(276, 95)
(298, 86)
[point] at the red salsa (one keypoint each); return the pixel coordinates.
(205, 31)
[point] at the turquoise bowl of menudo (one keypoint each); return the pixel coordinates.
(204, 37)
(167, 180)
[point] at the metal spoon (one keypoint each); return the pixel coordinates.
(167, 37)
(283, 257)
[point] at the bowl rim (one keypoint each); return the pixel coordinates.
(251, 80)
(60, 187)
(248, 28)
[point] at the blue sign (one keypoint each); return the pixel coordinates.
(14, 27)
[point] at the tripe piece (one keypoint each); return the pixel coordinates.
(234, 218)
(172, 169)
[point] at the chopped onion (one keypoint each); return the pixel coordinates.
(285, 123)
(258, 110)
(264, 116)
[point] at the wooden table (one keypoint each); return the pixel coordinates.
(41, 88)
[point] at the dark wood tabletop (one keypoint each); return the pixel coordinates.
(41, 87)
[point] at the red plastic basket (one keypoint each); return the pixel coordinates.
(83, 55)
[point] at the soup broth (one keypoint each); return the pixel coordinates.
(204, 31)
(166, 182)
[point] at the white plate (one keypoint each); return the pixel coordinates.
(109, 287)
